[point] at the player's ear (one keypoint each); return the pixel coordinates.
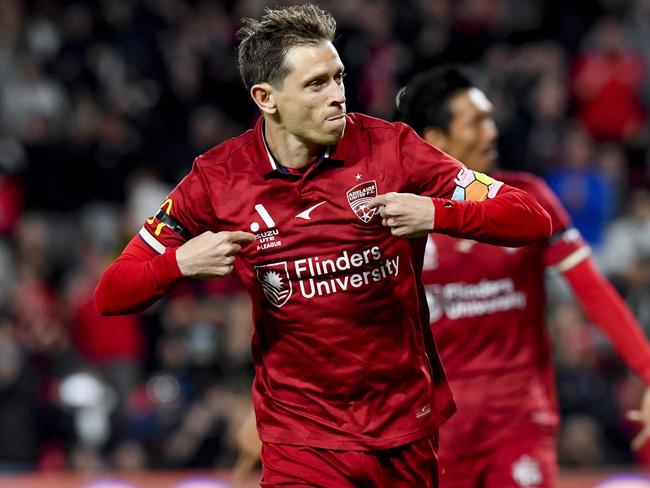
(436, 137)
(262, 94)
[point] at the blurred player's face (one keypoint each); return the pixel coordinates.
(472, 133)
(311, 101)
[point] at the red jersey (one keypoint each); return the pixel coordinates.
(338, 346)
(486, 302)
(487, 315)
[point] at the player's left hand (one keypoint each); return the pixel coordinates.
(405, 214)
(643, 417)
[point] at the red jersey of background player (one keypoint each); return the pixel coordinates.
(487, 314)
(338, 349)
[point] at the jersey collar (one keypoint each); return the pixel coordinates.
(269, 166)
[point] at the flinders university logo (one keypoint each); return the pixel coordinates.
(358, 198)
(275, 282)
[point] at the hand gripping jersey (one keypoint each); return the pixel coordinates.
(486, 306)
(338, 346)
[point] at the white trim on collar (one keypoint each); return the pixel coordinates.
(274, 165)
(268, 153)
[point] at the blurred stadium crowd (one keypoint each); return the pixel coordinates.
(105, 103)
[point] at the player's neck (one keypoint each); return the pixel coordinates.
(287, 149)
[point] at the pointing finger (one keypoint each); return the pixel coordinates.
(377, 201)
(234, 249)
(240, 236)
(383, 211)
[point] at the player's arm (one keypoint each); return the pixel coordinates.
(607, 310)
(140, 276)
(511, 218)
(136, 279)
(451, 199)
(172, 245)
(567, 253)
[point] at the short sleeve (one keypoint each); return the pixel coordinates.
(565, 247)
(434, 173)
(183, 214)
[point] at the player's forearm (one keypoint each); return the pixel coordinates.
(512, 218)
(136, 279)
(605, 308)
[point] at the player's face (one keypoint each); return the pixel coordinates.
(311, 100)
(472, 132)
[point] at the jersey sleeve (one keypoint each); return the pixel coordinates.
(468, 204)
(183, 214)
(607, 310)
(566, 247)
(428, 170)
(569, 254)
(147, 269)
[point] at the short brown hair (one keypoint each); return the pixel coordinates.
(264, 43)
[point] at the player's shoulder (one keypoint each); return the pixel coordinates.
(520, 179)
(377, 135)
(528, 182)
(229, 151)
(363, 122)
(538, 189)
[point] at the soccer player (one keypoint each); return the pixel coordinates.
(346, 392)
(487, 307)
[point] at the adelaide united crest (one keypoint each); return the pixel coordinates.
(358, 198)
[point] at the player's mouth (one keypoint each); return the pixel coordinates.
(336, 117)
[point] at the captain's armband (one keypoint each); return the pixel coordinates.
(474, 186)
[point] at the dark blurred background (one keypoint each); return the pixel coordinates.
(103, 106)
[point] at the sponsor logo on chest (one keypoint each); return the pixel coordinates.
(462, 300)
(316, 277)
(269, 237)
(275, 281)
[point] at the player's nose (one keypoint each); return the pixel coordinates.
(490, 130)
(337, 93)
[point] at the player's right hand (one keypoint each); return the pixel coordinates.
(211, 255)
(405, 214)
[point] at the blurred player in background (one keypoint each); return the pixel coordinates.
(487, 303)
(332, 289)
